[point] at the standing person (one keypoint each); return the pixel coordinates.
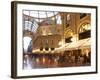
(89, 57)
(85, 59)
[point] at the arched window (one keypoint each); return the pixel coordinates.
(68, 36)
(84, 27)
(84, 31)
(69, 33)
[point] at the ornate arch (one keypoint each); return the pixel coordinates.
(82, 23)
(27, 43)
(68, 33)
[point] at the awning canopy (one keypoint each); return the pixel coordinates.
(84, 43)
(79, 44)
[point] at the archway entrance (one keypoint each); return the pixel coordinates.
(27, 44)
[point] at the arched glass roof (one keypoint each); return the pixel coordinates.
(40, 14)
(33, 19)
(29, 26)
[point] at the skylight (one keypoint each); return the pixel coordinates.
(40, 14)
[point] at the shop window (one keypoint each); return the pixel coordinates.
(46, 48)
(52, 49)
(41, 48)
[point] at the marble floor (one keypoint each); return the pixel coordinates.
(50, 61)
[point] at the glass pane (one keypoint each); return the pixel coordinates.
(42, 14)
(35, 26)
(26, 12)
(49, 14)
(34, 14)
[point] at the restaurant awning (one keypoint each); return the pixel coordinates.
(84, 43)
(79, 44)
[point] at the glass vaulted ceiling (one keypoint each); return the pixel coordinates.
(40, 14)
(37, 18)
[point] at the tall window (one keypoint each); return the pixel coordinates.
(68, 36)
(58, 18)
(68, 18)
